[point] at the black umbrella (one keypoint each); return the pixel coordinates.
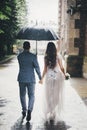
(37, 33)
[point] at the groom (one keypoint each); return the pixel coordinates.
(26, 78)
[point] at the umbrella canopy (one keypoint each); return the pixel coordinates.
(37, 33)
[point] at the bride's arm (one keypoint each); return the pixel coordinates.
(61, 65)
(44, 72)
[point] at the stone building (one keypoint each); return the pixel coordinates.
(73, 32)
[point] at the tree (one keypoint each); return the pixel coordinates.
(10, 22)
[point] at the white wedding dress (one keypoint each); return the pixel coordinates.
(53, 92)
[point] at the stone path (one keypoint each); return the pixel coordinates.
(74, 115)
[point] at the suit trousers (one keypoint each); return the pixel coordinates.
(29, 89)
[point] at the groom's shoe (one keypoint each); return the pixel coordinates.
(23, 114)
(28, 118)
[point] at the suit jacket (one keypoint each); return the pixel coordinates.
(27, 64)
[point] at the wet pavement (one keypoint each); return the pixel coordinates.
(74, 114)
(80, 86)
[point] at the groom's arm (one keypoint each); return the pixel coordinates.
(36, 66)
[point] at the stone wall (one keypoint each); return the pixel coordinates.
(73, 31)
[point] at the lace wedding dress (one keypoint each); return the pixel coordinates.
(53, 93)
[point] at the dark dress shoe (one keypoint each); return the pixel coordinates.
(28, 118)
(23, 114)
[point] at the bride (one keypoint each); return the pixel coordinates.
(54, 82)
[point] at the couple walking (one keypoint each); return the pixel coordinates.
(54, 77)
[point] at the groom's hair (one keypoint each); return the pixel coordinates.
(26, 45)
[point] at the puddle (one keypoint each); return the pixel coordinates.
(3, 103)
(20, 125)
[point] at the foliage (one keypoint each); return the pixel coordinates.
(12, 17)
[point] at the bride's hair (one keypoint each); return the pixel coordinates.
(50, 55)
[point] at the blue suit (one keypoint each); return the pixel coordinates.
(26, 77)
(27, 63)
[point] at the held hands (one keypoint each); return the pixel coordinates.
(41, 81)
